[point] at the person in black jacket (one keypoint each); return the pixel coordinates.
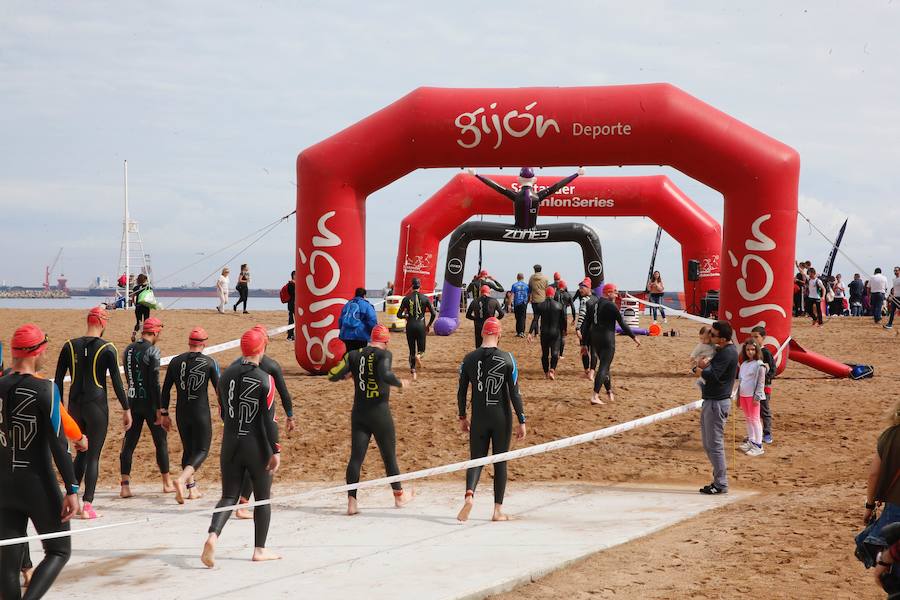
(481, 310)
(718, 374)
(291, 303)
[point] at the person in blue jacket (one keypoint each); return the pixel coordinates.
(356, 321)
(520, 292)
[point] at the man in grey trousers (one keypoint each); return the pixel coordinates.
(718, 374)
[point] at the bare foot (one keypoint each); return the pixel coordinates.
(596, 401)
(418, 361)
(352, 506)
(194, 493)
(26, 576)
(499, 515)
(125, 492)
(415, 375)
(464, 512)
(591, 374)
(179, 491)
(610, 396)
(261, 554)
(168, 486)
(552, 374)
(243, 513)
(586, 375)
(405, 498)
(208, 557)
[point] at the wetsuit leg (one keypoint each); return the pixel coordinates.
(93, 418)
(246, 486)
(44, 513)
(545, 353)
(500, 438)
(262, 490)
(13, 523)
(415, 338)
(359, 445)
(129, 443)
(381, 423)
(161, 442)
(562, 344)
(554, 352)
(606, 350)
(232, 473)
(479, 444)
(186, 433)
(141, 313)
(478, 326)
(201, 431)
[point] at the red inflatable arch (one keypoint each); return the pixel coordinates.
(656, 197)
(655, 124)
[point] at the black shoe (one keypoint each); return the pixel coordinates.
(246, 312)
(712, 489)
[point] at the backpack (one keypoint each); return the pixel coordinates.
(284, 295)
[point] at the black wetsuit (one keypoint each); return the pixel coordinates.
(270, 366)
(493, 376)
(31, 434)
(413, 308)
(191, 373)
(474, 287)
(552, 326)
(88, 360)
(568, 304)
(601, 319)
(250, 438)
(480, 311)
(588, 354)
(527, 202)
(370, 369)
(142, 373)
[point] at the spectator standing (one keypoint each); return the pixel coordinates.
(520, 292)
(878, 287)
(291, 303)
(758, 333)
(357, 321)
(387, 290)
(840, 293)
(222, 285)
(894, 298)
(857, 289)
(243, 288)
(718, 375)
(537, 285)
(656, 288)
(141, 310)
(815, 290)
(751, 393)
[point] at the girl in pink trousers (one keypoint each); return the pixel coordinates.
(752, 389)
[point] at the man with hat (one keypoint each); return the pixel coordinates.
(249, 443)
(493, 376)
(142, 374)
(481, 310)
(413, 308)
(191, 373)
(89, 360)
(526, 200)
(370, 369)
(30, 433)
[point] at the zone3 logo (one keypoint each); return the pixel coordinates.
(528, 235)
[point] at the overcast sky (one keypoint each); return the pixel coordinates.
(210, 103)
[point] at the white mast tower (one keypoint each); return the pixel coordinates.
(132, 258)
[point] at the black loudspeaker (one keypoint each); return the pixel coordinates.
(693, 270)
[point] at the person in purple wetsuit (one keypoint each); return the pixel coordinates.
(527, 201)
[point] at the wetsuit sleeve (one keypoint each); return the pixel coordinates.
(269, 418)
(430, 308)
(512, 388)
(563, 324)
(283, 393)
(165, 395)
(470, 312)
(556, 186)
(153, 370)
(214, 374)
(63, 365)
(494, 284)
(462, 389)
(572, 306)
(70, 428)
(403, 311)
(497, 187)
(498, 309)
(59, 448)
(621, 321)
(111, 365)
(383, 370)
(340, 370)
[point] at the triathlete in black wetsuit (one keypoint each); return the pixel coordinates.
(527, 201)
(249, 442)
(191, 373)
(141, 362)
(601, 319)
(586, 299)
(413, 308)
(493, 376)
(31, 433)
(552, 324)
(481, 310)
(89, 360)
(565, 298)
(370, 370)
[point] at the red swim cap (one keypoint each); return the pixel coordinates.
(152, 325)
(557, 276)
(610, 287)
(485, 290)
(262, 329)
(483, 273)
(491, 327)
(97, 316)
(550, 292)
(562, 284)
(253, 342)
(381, 334)
(28, 340)
(197, 336)
(586, 282)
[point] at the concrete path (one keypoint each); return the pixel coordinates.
(418, 552)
